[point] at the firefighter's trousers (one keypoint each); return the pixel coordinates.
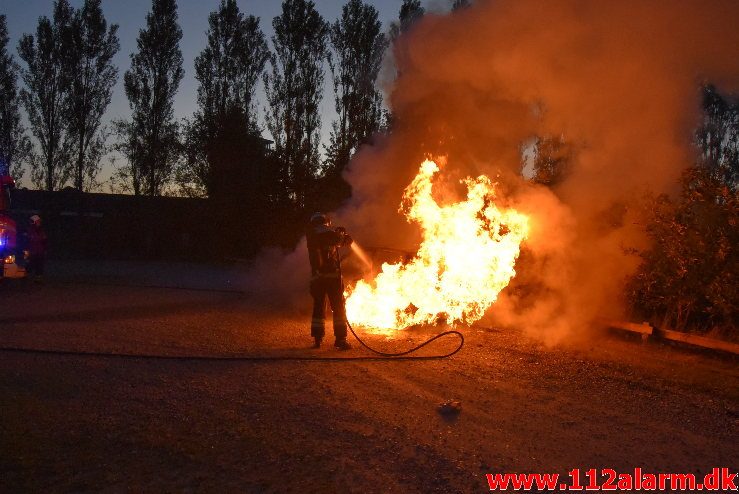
(323, 289)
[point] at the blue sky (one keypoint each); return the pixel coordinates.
(130, 15)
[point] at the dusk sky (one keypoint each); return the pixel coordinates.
(130, 15)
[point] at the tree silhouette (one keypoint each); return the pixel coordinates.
(358, 46)
(47, 78)
(294, 88)
(15, 146)
(227, 70)
(460, 4)
(410, 12)
(92, 77)
(150, 140)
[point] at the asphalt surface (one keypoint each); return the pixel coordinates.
(89, 424)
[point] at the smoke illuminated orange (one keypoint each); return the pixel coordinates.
(465, 259)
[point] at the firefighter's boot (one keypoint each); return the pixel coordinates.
(342, 345)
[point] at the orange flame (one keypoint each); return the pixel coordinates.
(465, 259)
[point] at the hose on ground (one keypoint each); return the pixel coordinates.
(404, 355)
(251, 358)
(415, 348)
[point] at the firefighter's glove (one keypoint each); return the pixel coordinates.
(346, 240)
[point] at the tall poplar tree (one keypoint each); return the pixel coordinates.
(232, 62)
(92, 76)
(460, 4)
(150, 140)
(294, 88)
(15, 146)
(47, 79)
(228, 70)
(358, 46)
(410, 12)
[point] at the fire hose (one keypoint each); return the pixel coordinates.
(405, 355)
(411, 350)
(252, 358)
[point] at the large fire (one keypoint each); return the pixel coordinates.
(465, 259)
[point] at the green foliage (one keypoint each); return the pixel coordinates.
(150, 140)
(294, 88)
(47, 78)
(15, 146)
(689, 278)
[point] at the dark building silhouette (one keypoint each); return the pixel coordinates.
(116, 226)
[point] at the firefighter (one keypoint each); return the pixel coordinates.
(326, 283)
(36, 246)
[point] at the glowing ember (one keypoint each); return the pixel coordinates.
(466, 258)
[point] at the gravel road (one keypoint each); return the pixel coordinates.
(81, 424)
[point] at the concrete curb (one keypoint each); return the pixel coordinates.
(647, 331)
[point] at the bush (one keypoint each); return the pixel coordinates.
(689, 278)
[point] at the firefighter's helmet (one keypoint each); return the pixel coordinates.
(36, 219)
(319, 219)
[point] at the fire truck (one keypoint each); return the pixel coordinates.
(8, 233)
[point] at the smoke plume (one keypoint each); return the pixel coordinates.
(617, 79)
